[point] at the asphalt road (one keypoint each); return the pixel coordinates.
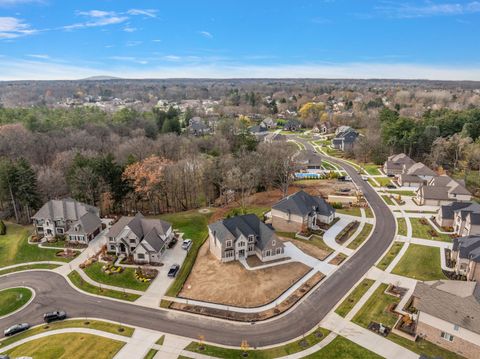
(53, 292)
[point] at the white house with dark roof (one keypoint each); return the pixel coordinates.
(448, 315)
(415, 175)
(466, 256)
(345, 138)
(78, 221)
(301, 211)
(454, 215)
(396, 164)
(243, 236)
(442, 190)
(142, 238)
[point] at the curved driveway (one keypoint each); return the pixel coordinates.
(53, 292)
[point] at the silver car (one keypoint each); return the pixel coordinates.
(17, 328)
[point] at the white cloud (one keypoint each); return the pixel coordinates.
(39, 56)
(133, 43)
(129, 59)
(97, 13)
(97, 18)
(206, 34)
(129, 29)
(7, 3)
(11, 27)
(408, 10)
(144, 12)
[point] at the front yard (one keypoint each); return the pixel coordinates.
(231, 284)
(372, 169)
(422, 229)
(420, 262)
(125, 279)
(15, 249)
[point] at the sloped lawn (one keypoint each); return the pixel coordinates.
(125, 279)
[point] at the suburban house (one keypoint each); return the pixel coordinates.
(442, 190)
(449, 315)
(243, 236)
(345, 138)
(415, 175)
(142, 238)
(198, 127)
(453, 215)
(78, 222)
(269, 123)
(309, 161)
(274, 137)
(258, 131)
(301, 211)
(292, 125)
(466, 256)
(396, 164)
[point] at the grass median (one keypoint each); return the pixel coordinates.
(352, 299)
(12, 299)
(29, 267)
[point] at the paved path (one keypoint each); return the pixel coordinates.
(138, 345)
(330, 235)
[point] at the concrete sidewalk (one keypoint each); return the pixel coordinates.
(329, 236)
(139, 344)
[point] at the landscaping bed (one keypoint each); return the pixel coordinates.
(116, 276)
(339, 258)
(347, 232)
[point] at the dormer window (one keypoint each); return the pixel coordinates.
(228, 243)
(251, 238)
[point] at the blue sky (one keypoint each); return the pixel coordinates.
(66, 39)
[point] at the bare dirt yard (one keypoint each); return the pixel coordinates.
(314, 247)
(231, 284)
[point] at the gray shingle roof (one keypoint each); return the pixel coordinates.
(466, 246)
(420, 169)
(434, 192)
(249, 224)
(308, 157)
(302, 203)
(67, 209)
(86, 224)
(456, 302)
(448, 211)
(410, 178)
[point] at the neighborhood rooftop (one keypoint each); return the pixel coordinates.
(302, 203)
(67, 209)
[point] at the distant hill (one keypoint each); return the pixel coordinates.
(100, 78)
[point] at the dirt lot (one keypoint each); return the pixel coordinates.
(313, 249)
(231, 284)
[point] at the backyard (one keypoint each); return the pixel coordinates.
(125, 279)
(423, 229)
(420, 262)
(231, 284)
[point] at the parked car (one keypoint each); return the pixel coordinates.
(17, 328)
(172, 273)
(172, 242)
(391, 186)
(365, 178)
(54, 316)
(187, 243)
(348, 179)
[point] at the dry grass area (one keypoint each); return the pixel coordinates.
(254, 261)
(315, 248)
(231, 284)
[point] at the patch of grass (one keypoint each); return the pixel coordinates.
(15, 249)
(390, 256)
(371, 169)
(69, 346)
(328, 166)
(256, 210)
(421, 346)
(194, 225)
(12, 299)
(402, 192)
(161, 340)
(342, 348)
(383, 181)
(368, 212)
(376, 309)
(275, 352)
(362, 236)
(151, 354)
(420, 262)
(28, 267)
(402, 226)
(352, 211)
(125, 279)
(352, 299)
(420, 230)
(372, 182)
(76, 323)
(285, 234)
(87, 287)
(388, 200)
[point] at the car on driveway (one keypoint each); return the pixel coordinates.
(172, 272)
(172, 243)
(54, 316)
(17, 328)
(187, 243)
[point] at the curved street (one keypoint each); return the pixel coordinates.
(53, 292)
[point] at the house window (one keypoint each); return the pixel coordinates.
(447, 336)
(279, 250)
(228, 254)
(141, 256)
(229, 243)
(132, 240)
(456, 327)
(250, 247)
(251, 238)
(241, 244)
(267, 253)
(60, 230)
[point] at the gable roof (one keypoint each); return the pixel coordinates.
(456, 302)
(467, 247)
(67, 209)
(448, 211)
(86, 224)
(308, 157)
(302, 203)
(248, 224)
(420, 169)
(399, 161)
(433, 192)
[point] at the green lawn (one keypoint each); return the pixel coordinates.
(420, 230)
(420, 262)
(388, 200)
(402, 192)
(194, 225)
(15, 249)
(383, 181)
(352, 299)
(69, 346)
(87, 287)
(12, 299)
(151, 353)
(126, 279)
(275, 352)
(402, 226)
(76, 323)
(362, 236)
(376, 309)
(390, 256)
(258, 211)
(28, 267)
(352, 211)
(372, 169)
(342, 348)
(328, 166)
(423, 347)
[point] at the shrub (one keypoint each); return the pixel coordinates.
(3, 228)
(337, 205)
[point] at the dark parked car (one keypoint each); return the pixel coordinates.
(172, 242)
(173, 270)
(17, 328)
(54, 316)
